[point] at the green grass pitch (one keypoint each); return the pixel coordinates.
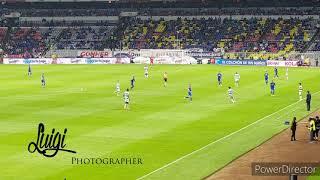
(175, 138)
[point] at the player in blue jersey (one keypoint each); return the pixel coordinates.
(29, 71)
(266, 77)
(219, 76)
(132, 82)
(189, 96)
(43, 80)
(276, 72)
(272, 87)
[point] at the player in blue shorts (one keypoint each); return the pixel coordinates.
(132, 81)
(272, 87)
(266, 77)
(29, 71)
(189, 93)
(219, 76)
(43, 80)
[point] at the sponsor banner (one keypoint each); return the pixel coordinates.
(94, 54)
(27, 61)
(165, 60)
(283, 63)
(200, 53)
(70, 60)
(14, 55)
(126, 53)
(107, 60)
(245, 62)
(66, 61)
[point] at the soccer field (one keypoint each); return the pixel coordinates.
(175, 138)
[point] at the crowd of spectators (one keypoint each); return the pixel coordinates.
(91, 37)
(316, 45)
(244, 35)
(229, 11)
(29, 41)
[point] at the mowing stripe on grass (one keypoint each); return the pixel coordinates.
(214, 142)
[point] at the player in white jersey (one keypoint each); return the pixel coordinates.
(126, 98)
(300, 91)
(236, 79)
(117, 88)
(146, 71)
(230, 94)
(287, 73)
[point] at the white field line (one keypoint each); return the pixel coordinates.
(216, 141)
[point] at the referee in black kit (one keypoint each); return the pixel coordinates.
(308, 100)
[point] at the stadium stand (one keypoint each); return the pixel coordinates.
(256, 33)
(90, 37)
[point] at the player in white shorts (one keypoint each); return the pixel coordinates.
(126, 99)
(287, 73)
(117, 88)
(230, 93)
(300, 91)
(146, 71)
(236, 79)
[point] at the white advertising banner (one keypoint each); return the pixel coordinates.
(27, 61)
(283, 63)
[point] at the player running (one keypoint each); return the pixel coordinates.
(189, 96)
(300, 91)
(287, 73)
(126, 98)
(117, 88)
(43, 80)
(219, 76)
(276, 75)
(29, 71)
(272, 88)
(146, 71)
(132, 82)
(165, 79)
(266, 77)
(230, 94)
(236, 79)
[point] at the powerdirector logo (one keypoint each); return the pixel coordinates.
(49, 144)
(284, 169)
(105, 161)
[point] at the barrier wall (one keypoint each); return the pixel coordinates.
(147, 60)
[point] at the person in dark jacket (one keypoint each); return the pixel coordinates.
(293, 129)
(317, 123)
(308, 100)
